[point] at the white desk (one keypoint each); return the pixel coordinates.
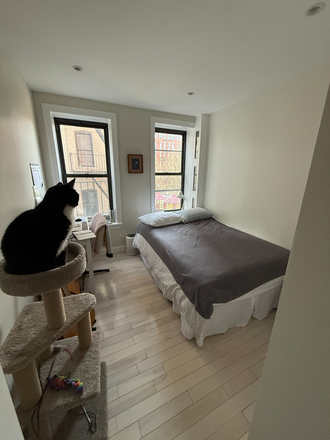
(84, 238)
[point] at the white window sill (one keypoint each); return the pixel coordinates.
(114, 225)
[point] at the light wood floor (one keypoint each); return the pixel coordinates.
(160, 385)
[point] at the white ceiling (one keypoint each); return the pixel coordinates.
(150, 53)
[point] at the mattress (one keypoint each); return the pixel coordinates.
(256, 303)
(214, 263)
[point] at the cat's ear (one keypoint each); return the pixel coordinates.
(71, 184)
(59, 184)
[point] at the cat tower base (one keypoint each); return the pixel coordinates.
(73, 424)
(84, 365)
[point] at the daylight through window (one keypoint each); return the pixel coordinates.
(84, 155)
(169, 168)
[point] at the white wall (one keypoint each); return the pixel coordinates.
(294, 399)
(133, 138)
(259, 156)
(18, 148)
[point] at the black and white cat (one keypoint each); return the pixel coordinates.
(36, 240)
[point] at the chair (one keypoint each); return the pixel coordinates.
(100, 228)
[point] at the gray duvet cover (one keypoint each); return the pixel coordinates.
(214, 263)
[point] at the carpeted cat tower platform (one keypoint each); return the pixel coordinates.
(56, 409)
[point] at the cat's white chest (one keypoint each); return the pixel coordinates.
(68, 211)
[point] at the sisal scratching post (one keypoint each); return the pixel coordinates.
(28, 386)
(85, 332)
(46, 354)
(54, 309)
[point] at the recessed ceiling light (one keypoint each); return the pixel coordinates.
(77, 68)
(191, 93)
(315, 9)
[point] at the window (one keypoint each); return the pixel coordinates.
(169, 171)
(84, 144)
(195, 179)
(90, 202)
(84, 155)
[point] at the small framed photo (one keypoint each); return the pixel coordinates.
(135, 163)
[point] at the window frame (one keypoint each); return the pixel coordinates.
(49, 148)
(88, 124)
(77, 133)
(178, 132)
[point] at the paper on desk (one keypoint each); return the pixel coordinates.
(83, 235)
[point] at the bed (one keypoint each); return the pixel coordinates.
(217, 277)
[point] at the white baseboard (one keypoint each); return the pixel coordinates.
(118, 249)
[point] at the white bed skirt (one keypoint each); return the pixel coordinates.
(257, 303)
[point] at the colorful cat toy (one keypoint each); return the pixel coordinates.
(62, 382)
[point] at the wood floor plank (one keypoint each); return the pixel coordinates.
(224, 375)
(140, 379)
(254, 343)
(173, 323)
(135, 359)
(122, 354)
(248, 412)
(135, 310)
(178, 373)
(152, 288)
(130, 433)
(232, 430)
(112, 394)
(160, 358)
(193, 352)
(257, 330)
(164, 413)
(116, 331)
(111, 318)
(221, 415)
(178, 424)
(160, 398)
(159, 308)
(162, 321)
(122, 336)
(122, 376)
(112, 427)
(155, 349)
(132, 319)
(222, 349)
(239, 382)
(130, 399)
(160, 385)
(106, 351)
(175, 330)
(258, 367)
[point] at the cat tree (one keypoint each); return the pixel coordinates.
(30, 343)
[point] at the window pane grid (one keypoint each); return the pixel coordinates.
(83, 151)
(169, 168)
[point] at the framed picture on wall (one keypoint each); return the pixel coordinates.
(135, 163)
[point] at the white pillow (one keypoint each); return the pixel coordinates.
(157, 219)
(193, 214)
